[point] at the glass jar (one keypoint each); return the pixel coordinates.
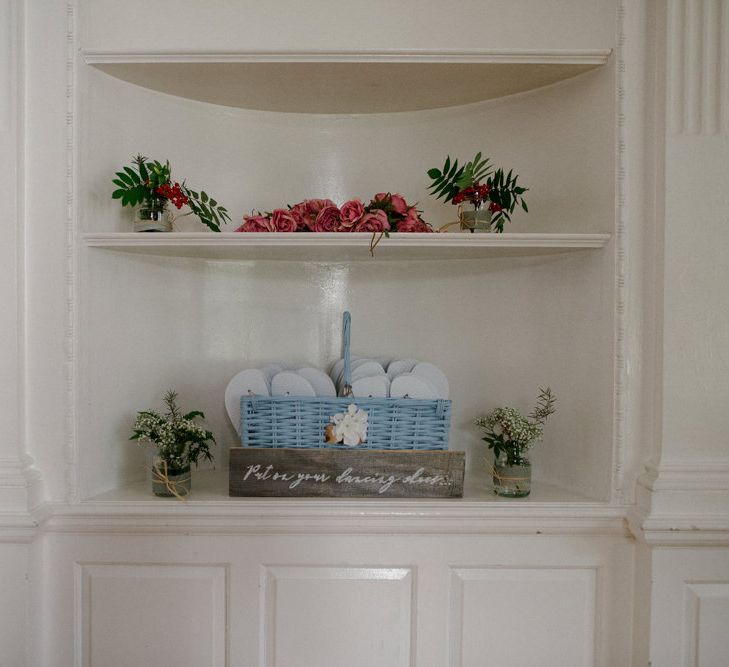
(474, 219)
(153, 216)
(171, 482)
(512, 481)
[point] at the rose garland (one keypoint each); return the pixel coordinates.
(385, 213)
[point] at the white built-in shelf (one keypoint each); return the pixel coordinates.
(548, 510)
(211, 486)
(346, 82)
(333, 247)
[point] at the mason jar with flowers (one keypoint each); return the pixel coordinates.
(147, 186)
(486, 199)
(510, 436)
(180, 442)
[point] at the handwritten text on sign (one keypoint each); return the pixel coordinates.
(330, 472)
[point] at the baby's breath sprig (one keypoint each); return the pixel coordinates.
(510, 433)
(179, 440)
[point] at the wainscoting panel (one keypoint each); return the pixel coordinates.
(706, 630)
(151, 614)
(523, 616)
(334, 616)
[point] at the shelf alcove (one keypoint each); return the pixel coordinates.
(501, 314)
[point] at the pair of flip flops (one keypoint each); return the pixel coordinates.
(398, 378)
(275, 380)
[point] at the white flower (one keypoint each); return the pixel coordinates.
(350, 427)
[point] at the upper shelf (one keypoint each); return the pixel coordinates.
(333, 247)
(346, 82)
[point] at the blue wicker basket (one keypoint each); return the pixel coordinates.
(299, 422)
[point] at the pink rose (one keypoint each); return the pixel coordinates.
(351, 211)
(399, 204)
(397, 201)
(413, 223)
(256, 223)
(304, 220)
(374, 221)
(328, 219)
(283, 221)
(313, 206)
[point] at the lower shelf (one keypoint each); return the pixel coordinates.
(211, 487)
(133, 509)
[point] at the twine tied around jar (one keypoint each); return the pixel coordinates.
(443, 228)
(461, 222)
(162, 476)
(500, 480)
(508, 479)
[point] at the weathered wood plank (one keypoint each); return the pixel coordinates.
(345, 473)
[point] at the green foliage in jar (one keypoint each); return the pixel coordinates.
(147, 181)
(510, 433)
(180, 442)
(476, 182)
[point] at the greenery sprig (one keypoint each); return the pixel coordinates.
(479, 184)
(178, 439)
(147, 181)
(510, 433)
(449, 181)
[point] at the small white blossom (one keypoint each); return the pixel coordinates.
(350, 427)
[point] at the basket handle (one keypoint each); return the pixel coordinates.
(347, 353)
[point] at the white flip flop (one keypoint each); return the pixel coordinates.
(250, 381)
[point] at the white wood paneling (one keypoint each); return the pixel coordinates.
(13, 603)
(523, 616)
(333, 616)
(690, 607)
(706, 624)
(698, 75)
(145, 614)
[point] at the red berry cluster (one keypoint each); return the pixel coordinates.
(475, 193)
(174, 193)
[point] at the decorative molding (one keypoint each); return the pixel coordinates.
(698, 66)
(691, 475)
(71, 325)
(619, 364)
(396, 598)
(344, 517)
(516, 580)
(17, 528)
(555, 56)
(7, 62)
(697, 594)
(92, 578)
(683, 503)
(19, 479)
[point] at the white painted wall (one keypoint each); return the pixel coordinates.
(351, 25)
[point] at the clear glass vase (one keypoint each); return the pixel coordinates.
(153, 216)
(474, 219)
(512, 481)
(171, 482)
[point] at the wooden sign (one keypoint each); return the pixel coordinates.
(346, 473)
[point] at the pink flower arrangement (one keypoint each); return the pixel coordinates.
(385, 213)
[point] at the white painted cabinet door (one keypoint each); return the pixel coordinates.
(334, 600)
